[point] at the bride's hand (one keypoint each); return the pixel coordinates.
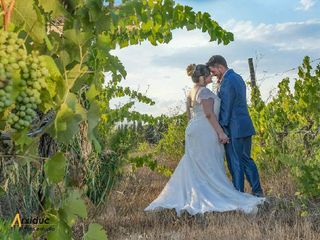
(223, 138)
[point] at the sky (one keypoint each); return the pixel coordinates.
(276, 34)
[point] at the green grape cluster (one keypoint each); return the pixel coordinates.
(12, 53)
(32, 73)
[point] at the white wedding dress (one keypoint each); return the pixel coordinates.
(199, 183)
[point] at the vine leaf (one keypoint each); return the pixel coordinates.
(78, 38)
(73, 207)
(65, 57)
(55, 168)
(70, 113)
(74, 74)
(95, 232)
(53, 7)
(61, 231)
(56, 86)
(22, 139)
(51, 66)
(27, 15)
(68, 118)
(92, 93)
(93, 120)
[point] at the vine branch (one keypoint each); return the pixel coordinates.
(10, 11)
(7, 10)
(3, 5)
(4, 8)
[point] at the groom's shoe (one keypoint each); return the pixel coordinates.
(258, 194)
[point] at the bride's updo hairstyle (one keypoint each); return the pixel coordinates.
(196, 71)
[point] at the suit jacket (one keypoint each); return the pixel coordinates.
(234, 115)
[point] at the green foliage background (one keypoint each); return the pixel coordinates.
(75, 38)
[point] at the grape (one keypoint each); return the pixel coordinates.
(15, 66)
(12, 59)
(26, 100)
(25, 70)
(28, 118)
(10, 49)
(2, 40)
(15, 63)
(19, 98)
(7, 102)
(4, 61)
(10, 121)
(9, 68)
(33, 74)
(12, 41)
(29, 92)
(39, 74)
(22, 64)
(26, 75)
(37, 86)
(34, 66)
(36, 59)
(20, 42)
(15, 118)
(23, 83)
(44, 72)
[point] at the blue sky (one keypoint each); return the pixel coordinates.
(266, 11)
(277, 34)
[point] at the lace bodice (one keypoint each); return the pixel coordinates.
(205, 93)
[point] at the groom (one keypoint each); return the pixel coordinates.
(237, 124)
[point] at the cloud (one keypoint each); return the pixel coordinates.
(282, 44)
(299, 35)
(305, 5)
(161, 70)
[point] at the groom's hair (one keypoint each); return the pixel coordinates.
(217, 59)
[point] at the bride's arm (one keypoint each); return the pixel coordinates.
(207, 105)
(188, 106)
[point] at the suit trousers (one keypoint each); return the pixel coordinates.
(240, 163)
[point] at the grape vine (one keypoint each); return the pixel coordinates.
(288, 129)
(66, 48)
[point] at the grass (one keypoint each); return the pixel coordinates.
(285, 217)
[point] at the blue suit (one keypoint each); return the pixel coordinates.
(235, 120)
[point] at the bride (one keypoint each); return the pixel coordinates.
(199, 183)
